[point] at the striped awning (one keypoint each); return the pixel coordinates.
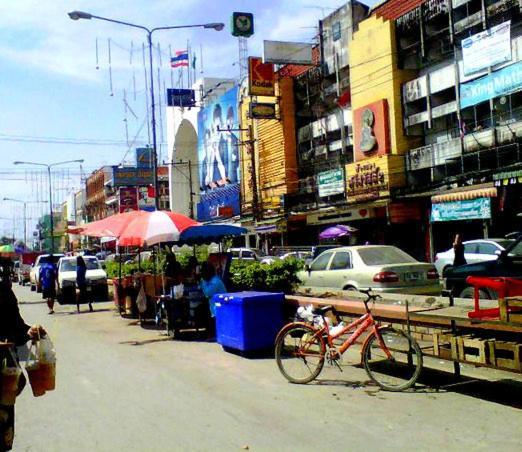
(489, 192)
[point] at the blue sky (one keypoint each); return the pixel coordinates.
(50, 87)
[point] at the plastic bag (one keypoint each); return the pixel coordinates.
(177, 291)
(41, 366)
(10, 379)
(141, 300)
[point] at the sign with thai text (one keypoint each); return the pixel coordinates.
(133, 176)
(330, 182)
(469, 209)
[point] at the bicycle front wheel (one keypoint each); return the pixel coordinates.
(395, 365)
(299, 353)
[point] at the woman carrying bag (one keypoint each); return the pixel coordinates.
(13, 331)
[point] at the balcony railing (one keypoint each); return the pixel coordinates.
(433, 154)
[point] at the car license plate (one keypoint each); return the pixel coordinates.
(412, 276)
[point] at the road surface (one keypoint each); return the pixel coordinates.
(121, 387)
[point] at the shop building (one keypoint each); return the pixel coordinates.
(463, 107)
(95, 194)
(324, 127)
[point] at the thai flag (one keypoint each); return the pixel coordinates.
(181, 59)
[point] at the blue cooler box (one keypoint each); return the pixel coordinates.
(248, 321)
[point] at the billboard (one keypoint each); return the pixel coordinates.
(469, 209)
(132, 176)
(128, 199)
(146, 199)
(261, 78)
(504, 81)
(222, 202)
(144, 157)
(279, 52)
(181, 97)
(487, 48)
(218, 151)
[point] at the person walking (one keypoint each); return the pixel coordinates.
(458, 251)
(81, 283)
(48, 275)
(13, 331)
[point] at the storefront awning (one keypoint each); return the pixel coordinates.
(463, 195)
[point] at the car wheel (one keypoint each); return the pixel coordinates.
(469, 292)
(350, 288)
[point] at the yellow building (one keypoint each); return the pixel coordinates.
(273, 143)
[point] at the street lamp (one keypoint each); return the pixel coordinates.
(218, 26)
(49, 166)
(25, 213)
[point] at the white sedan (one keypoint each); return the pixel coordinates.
(474, 251)
(381, 268)
(66, 284)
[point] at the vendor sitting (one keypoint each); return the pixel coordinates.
(211, 284)
(192, 271)
(172, 271)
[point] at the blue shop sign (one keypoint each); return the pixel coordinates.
(504, 81)
(469, 209)
(221, 202)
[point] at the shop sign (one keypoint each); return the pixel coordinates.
(469, 209)
(330, 182)
(261, 78)
(508, 178)
(133, 176)
(487, 48)
(260, 110)
(504, 81)
(144, 157)
(368, 181)
(219, 203)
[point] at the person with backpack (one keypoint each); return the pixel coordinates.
(48, 275)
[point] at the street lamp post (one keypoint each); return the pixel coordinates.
(25, 214)
(49, 166)
(218, 26)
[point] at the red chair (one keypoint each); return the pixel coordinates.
(504, 287)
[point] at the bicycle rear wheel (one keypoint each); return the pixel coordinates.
(399, 371)
(300, 353)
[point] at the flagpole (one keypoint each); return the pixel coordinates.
(188, 67)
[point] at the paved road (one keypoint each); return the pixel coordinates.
(124, 388)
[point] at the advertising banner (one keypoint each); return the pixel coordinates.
(279, 52)
(181, 97)
(146, 199)
(128, 199)
(260, 110)
(133, 176)
(330, 182)
(218, 151)
(261, 78)
(222, 202)
(469, 209)
(487, 48)
(144, 157)
(504, 81)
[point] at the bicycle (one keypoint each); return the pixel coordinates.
(392, 358)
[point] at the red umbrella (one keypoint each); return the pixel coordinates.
(151, 228)
(111, 226)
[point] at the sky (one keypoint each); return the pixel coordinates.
(56, 85)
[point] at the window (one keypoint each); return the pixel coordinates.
(383, 255)
(341, 261)
(470, 248)
(248, 255)
(336, 31)
(321, 262)
(487, 248)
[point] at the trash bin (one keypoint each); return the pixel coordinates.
(248, 321)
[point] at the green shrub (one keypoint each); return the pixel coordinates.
(281, 276)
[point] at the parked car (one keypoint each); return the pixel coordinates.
(34, 274)
(507, 264)
(66, 283)
(245, 254)
(381, 268)
(318, 249)
(474, 251)
(301, 255)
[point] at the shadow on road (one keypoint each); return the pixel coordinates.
(32, 302)
(146, 341)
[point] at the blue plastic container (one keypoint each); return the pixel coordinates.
(248, 321)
